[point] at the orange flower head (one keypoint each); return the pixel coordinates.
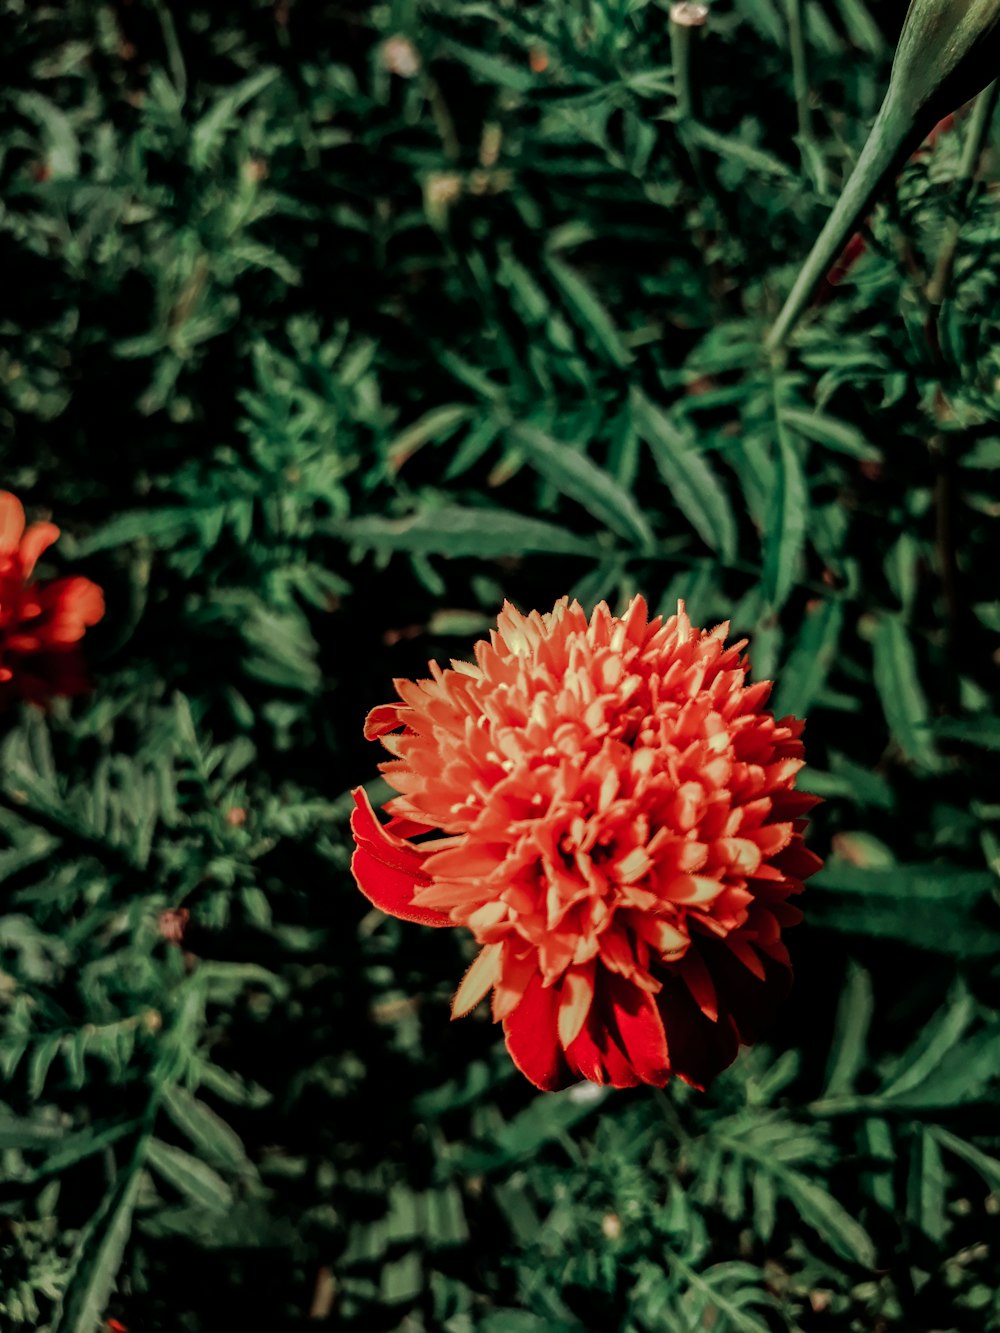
(41, 624)
(619, 831)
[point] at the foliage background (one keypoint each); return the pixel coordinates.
(314, 362)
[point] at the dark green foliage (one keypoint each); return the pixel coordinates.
(315, 362)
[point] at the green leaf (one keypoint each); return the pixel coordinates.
(207, 134)
(987, 1167)
(926, 1187)
(87, 1297)
(830, 1219)
(840, 436)
(983, 732)
(579, 477)
(854, 1013)
(787, 519)
(804, 673)
(909, 883)
(903, 700)
(590, 314)
(162, 528)
(25, 1134)
(189, 1175)
(438, 424)
(692, 484)
(459, 532)
(933, 1043)
(207, 1131)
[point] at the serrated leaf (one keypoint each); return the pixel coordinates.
(207, 134)
(933, 1043)
(692, 484)
(459, 532)
(804, 673)
(840, 436)
(188, 1174)
(589, 314)
(577, 476)
(86, 1299)
(847, 1050)
(903, 699)
(830, 1219)
(217, 1142)
(787, 520)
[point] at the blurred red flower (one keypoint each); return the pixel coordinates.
(620, 834)
(41, 624)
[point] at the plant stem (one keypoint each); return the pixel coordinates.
(681, 35)
(800, 78)
(877, 159)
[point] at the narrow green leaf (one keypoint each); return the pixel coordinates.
(24, 1134)
(87, 1298)
(933, 1043)
(926, 1187)
(456, 531)
(787, 519)
(820, 1210)
(589, 314)
(492, 69)
(161, 528)
(903, 700)
(805, 672)
(189, 1175)
(437, 424)
(692, 484)
(208, 132)
(579, 477)
(833, 434)
(983, 732)
(847, 1051)
(207, 1131)
(908, 883)
(987, 1167)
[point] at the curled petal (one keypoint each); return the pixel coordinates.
(387, 869)
(37, 539)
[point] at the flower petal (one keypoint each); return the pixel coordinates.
(483, 972)
(11, 523)
(532, 1038)
(596, 1056)
(576, 994)
(37, 539)
(640, 1029)
(698, 1048)
(387, 870)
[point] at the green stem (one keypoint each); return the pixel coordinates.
(800, 71)
(878, 157)
(681, 35)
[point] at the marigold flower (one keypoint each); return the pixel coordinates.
(41, 624)
(619, 832)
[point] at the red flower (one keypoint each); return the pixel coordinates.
(41, 625)
(619, 832)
